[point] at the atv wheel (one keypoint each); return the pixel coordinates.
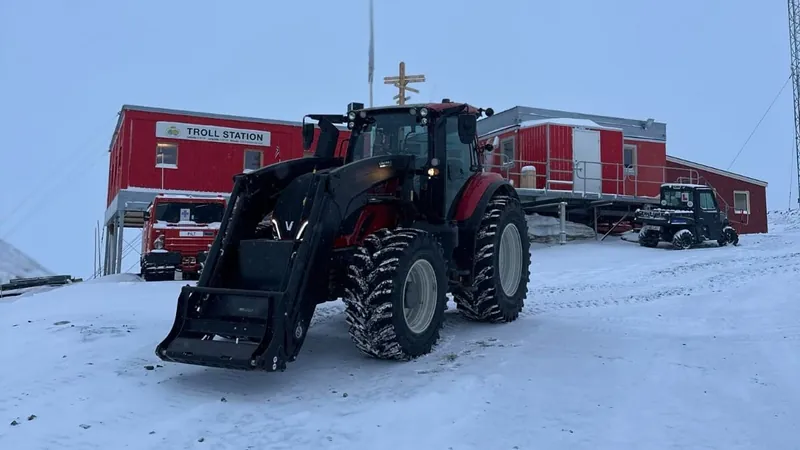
(395, 294)
(682, 240)
(501, 265)
(729, 236)
(649, 238)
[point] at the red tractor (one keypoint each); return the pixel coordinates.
(403, 216)
(178, 231)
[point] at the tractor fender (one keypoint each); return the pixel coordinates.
(475, 197)
(477, 192)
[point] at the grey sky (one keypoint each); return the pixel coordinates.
(708, 68)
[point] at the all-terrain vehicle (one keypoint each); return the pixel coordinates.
(178, 231)
(689, 215)
(403, 216)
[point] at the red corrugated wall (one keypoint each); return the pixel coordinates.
(202, 166)
(611, 158)
(651, 158)
(755, 221)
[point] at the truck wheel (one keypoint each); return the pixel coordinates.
(501, 265)
(395, 294)
(682, 240)
(649, 238)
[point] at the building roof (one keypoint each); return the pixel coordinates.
(631, 128)
(724, 173)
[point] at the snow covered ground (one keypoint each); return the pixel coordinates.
(620, 347)
(14, 263)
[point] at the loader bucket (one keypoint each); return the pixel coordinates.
(254, 290)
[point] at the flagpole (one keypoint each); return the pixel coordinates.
(371, 51)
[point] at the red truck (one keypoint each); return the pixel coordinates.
(178, 231)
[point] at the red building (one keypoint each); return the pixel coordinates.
(155, 150)
(744, 199)
(559, 154)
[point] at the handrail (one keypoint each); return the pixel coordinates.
(560, 171)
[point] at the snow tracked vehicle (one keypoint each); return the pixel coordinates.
(403, 216)
(689, 215)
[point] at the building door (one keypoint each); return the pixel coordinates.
(587, 170)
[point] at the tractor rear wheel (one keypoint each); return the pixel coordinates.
(501, 265)
(395, 294)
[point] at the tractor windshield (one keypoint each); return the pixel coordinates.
(675, 198)
(390, 133)
(174, 212)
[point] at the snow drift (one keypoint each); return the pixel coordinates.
(14, 264)
(547, 229)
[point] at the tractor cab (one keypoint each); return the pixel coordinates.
(442, 138)
(688, 215)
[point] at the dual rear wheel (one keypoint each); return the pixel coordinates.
(395, 292)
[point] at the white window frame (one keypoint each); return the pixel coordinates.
(634, 151)
(165, 165)
(513, 141)
(244, 159)
(747, 200)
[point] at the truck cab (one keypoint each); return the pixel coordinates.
(688, 215)
(178, 231)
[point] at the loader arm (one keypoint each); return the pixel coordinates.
(262, 292)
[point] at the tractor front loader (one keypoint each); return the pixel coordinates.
(405, 216)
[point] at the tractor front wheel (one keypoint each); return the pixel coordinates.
(501, 265)
(395, 294)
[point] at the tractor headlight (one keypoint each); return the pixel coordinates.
(351, 125)
(423, 112)
(158, 244)
(351, 115)
(301, 230)
(276, 228)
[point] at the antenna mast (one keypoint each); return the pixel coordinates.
(794, 49)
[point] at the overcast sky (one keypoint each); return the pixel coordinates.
(708, 68)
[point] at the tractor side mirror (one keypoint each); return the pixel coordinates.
(467, 128)
(146, 216)
(308, 135)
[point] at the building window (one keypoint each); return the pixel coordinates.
(253, 160)
(507, 152)
(707, 201)
(741, 202)
(167, 155)
(629, 159)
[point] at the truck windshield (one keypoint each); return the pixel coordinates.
(393, 133)
(673, 198)
(193, 212)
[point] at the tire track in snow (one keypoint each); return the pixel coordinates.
(706, 276)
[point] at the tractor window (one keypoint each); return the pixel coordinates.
(707, 200)
(394, 133)
(198, 212)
